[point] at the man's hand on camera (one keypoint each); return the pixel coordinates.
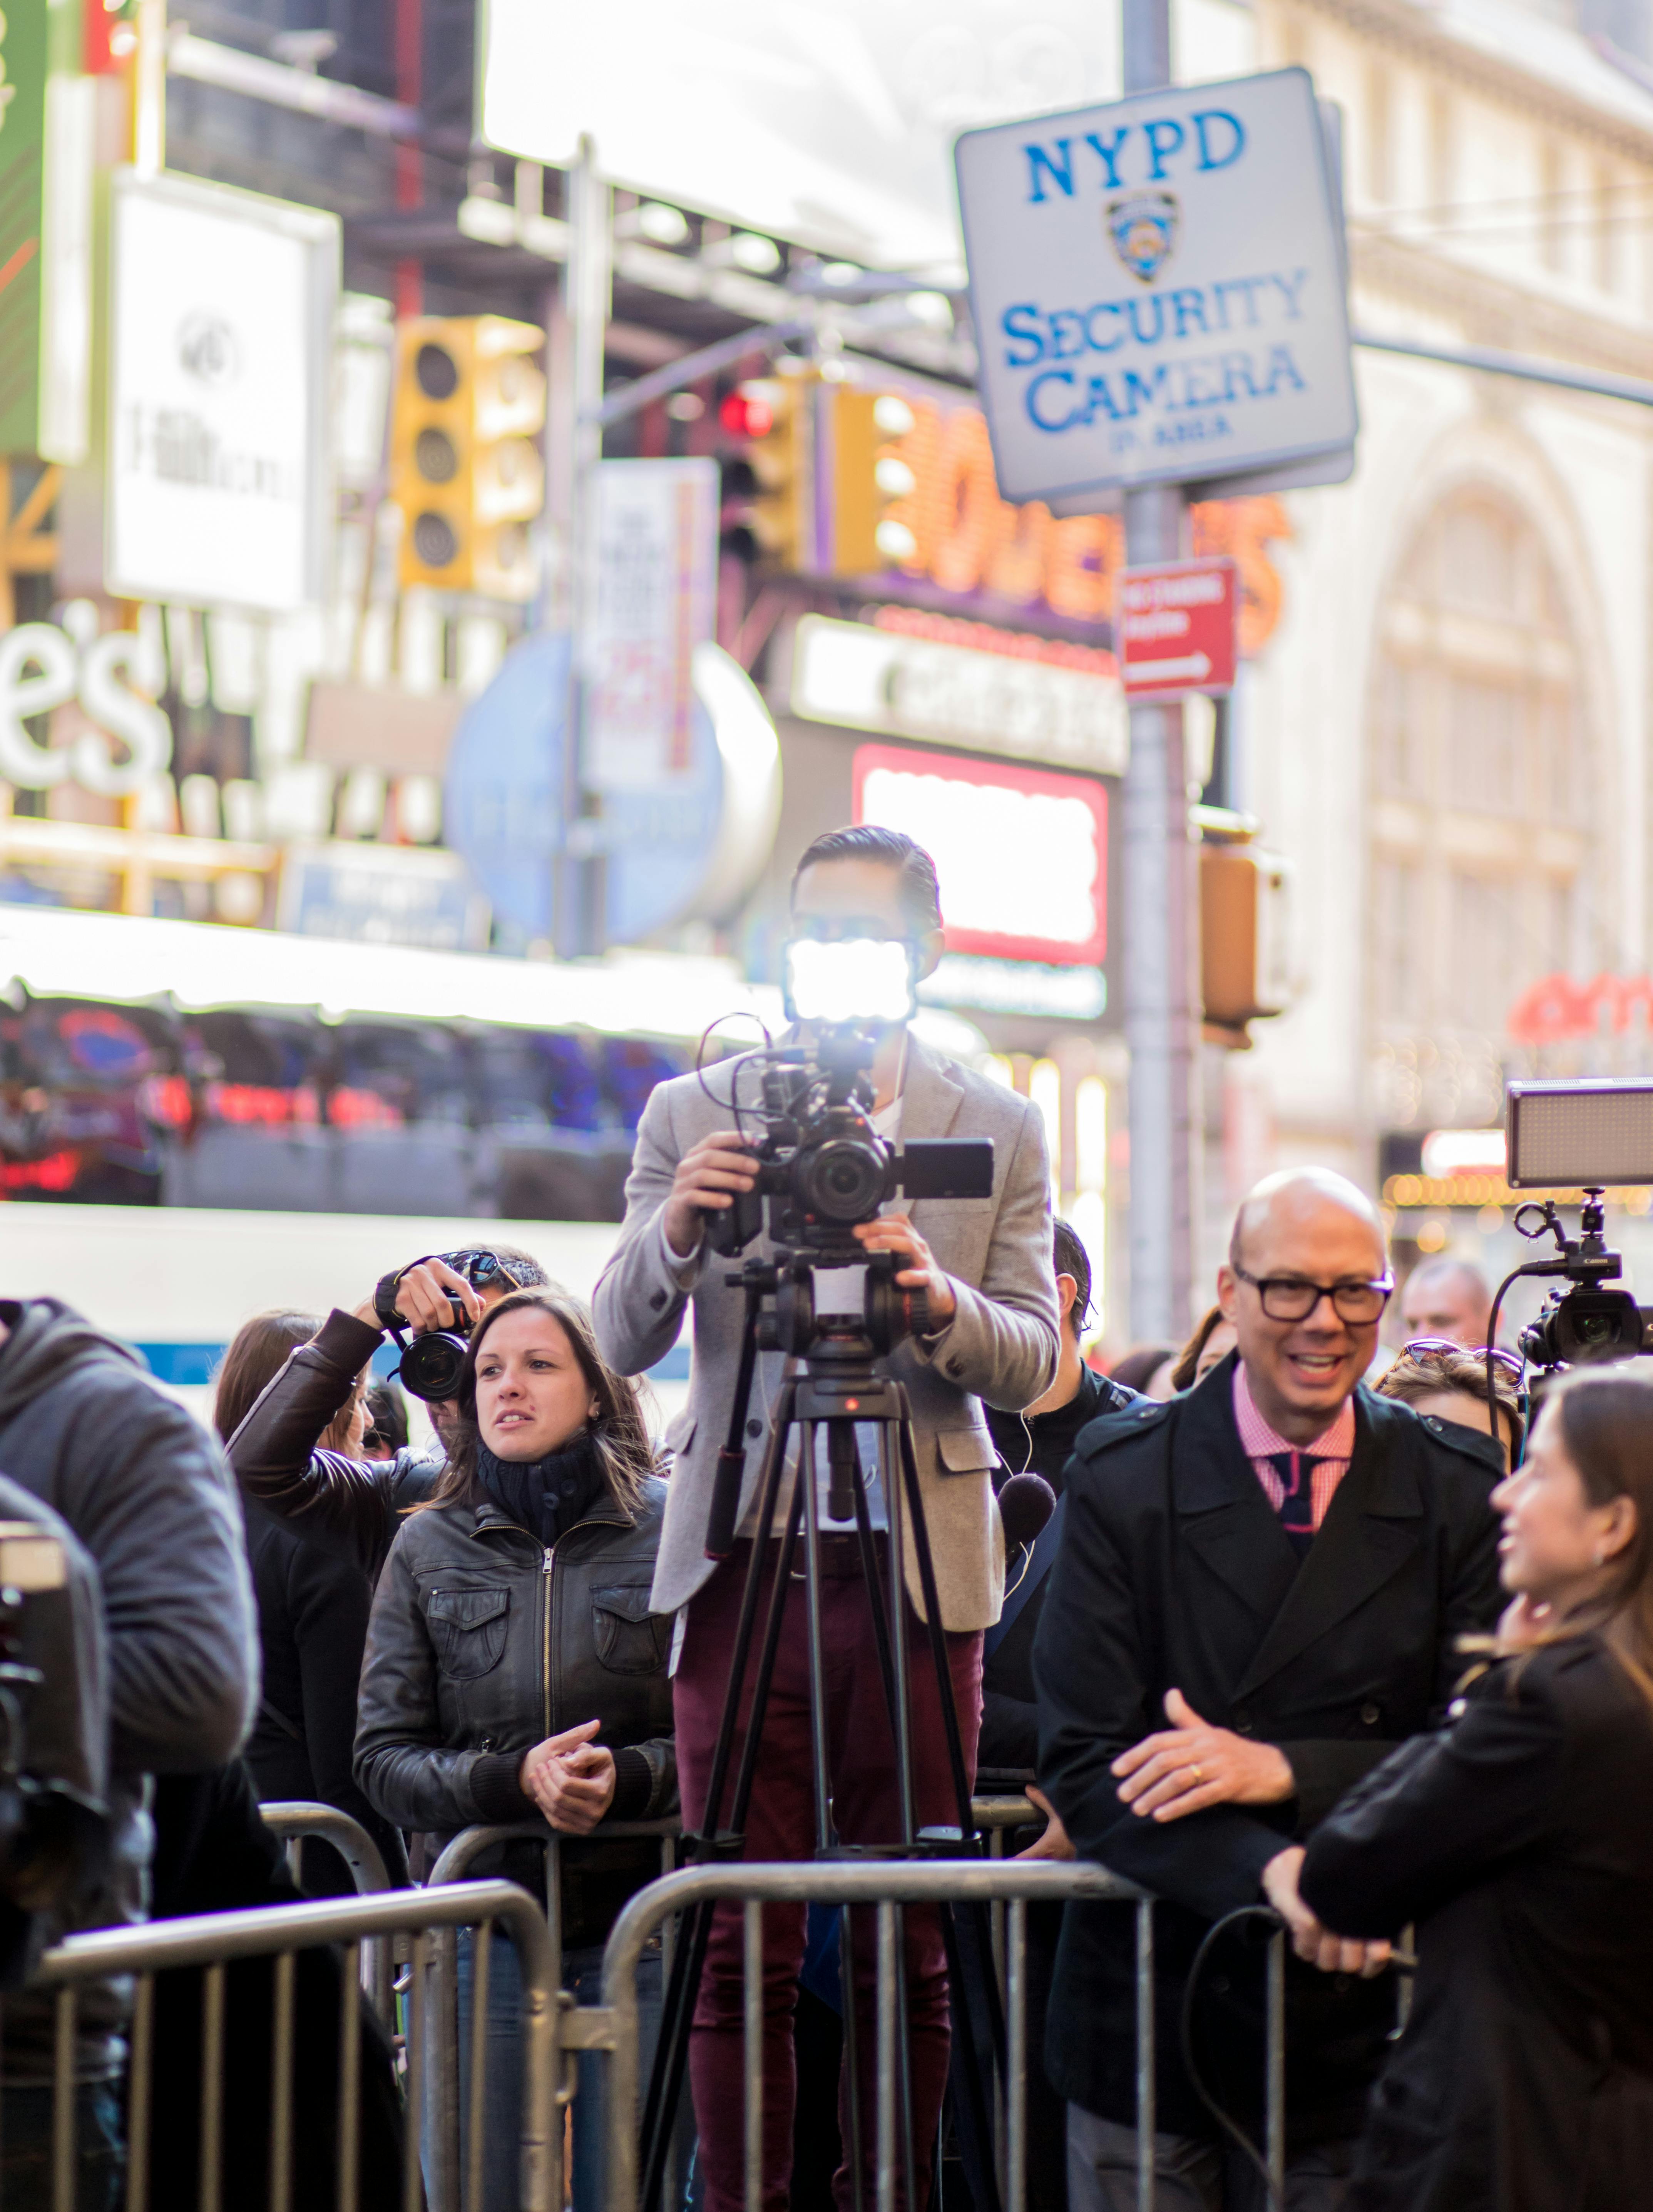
(1315, 1945)
(894, 1232)
(1187, 1767)
(570, 1778)
(708, 1175)
(424, 1299)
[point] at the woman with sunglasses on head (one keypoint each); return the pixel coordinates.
(1520, 1842)
(514, 1669)
(1443, 1381)
(349, 1505)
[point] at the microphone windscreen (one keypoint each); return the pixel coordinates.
(1025, 1505)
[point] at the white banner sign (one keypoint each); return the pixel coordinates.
(221, 348)
(865, 679)
(1158, 287)
(656, 527)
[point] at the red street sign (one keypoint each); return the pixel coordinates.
(1177, 627)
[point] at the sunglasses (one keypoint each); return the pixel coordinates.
(481, 1270)
(1426, 1348)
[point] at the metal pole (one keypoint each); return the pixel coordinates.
(581, 892)
(1161, 1005)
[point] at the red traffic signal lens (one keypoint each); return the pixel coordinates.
(746, 415)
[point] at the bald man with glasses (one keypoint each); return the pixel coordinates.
(1261, 1591)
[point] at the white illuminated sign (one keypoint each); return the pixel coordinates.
(1449, 1152)
(865, 679)
(114, 677)
(221, 349)
(656, 575)
(1158, 287)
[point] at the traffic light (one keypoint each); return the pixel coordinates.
(1244, 937)
(869, 480)
(468, 402)
(766, 507)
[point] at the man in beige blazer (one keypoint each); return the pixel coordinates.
(985, 1266)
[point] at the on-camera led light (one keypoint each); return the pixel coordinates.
(852, 979)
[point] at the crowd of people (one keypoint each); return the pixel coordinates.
(1314, 1630)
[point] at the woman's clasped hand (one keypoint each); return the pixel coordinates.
(570, 1778)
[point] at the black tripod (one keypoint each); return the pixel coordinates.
(833, 1382)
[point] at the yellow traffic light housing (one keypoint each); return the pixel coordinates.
(467, 405)
(871, 481)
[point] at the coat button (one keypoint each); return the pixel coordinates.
(1242, 1722)
(955, 1367)
(1371, 1715)
(658, 1300)
(754, 1428)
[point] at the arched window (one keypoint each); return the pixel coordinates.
(1478, 788)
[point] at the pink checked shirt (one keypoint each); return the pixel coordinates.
(1334, 1450)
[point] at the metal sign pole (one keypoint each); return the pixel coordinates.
(1161, 892)
(581, 892)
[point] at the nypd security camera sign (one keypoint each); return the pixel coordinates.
(1157, 288)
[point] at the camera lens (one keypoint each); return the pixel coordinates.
(841, 1180)
(432, 1365)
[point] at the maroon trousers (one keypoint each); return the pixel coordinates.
(780, 1825)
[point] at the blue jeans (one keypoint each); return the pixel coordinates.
(26, 2148)
(582, 1975)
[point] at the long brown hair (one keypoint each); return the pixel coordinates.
(258, 1350)
(619, 1433)
(1606, 1415)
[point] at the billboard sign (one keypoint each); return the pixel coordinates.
(1178, 627)
(1021, 855)
(221, 307)
(656, 575)
(1158, 288)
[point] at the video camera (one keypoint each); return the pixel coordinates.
(823, 1169)
(1588, 1136)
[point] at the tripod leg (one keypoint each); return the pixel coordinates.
(818, 1692)
(936, 1633)
(889, 1461)
(671, 2052)
(876, 1600)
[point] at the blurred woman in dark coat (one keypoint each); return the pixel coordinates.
(1520, 1842)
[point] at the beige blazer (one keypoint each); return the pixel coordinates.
(1000, 1345)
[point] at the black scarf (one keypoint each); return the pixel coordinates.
(545, 1496)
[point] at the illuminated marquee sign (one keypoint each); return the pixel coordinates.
(1159, 287)
(1022, 855)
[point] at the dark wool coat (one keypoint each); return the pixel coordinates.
(1521, 1843)
(1174, 1571)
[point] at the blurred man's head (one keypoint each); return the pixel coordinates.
(1305, 1286)
(1447, 1298)
(1071, 1263)
(867, 881)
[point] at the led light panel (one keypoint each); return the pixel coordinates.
(1566, 1136)
(852, 979)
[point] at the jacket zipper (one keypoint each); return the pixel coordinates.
(545, 1644)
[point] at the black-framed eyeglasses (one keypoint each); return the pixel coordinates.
(481, 1270)
(1426, 1348)
(1290, 1298)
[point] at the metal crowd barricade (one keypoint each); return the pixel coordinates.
(212, 1941)
(293, 1819)
(460, 1855)
(885, 1885)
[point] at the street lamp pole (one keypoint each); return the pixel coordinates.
(580, 888)
(1162, 1005)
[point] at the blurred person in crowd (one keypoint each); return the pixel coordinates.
(1447, 1298)
(83, 1429)
(313, 1625)
(1442, 1382)
(1259, 1591)
(514, 1669)
(985, 1269)
(1520, 1842)
(387, 1430)
(1213, 1340)
(1039, 1440)
(352, 1507)
(1145, 1369)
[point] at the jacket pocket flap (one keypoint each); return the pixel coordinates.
(467, 1609)
(965, 1451)
(626, 1601)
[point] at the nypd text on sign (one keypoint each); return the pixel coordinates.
(1158, 288)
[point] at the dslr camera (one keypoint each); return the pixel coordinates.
(432, 1363)
(823, 1169)
(1589, 1135)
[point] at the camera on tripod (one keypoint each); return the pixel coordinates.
(823, 1167)
(1588, 1136)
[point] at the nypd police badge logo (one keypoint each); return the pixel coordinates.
(1143, 226)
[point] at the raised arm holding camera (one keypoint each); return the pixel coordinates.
(985, 1329)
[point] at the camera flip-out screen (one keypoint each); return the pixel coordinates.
(1569, 1136)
